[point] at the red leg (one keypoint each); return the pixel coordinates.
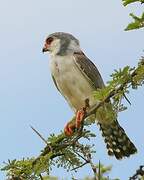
(79, 118)
(70, 127)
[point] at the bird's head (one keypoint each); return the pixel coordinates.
(61, 43)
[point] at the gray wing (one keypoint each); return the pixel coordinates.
(89, 70)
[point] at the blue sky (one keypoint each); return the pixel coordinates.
(27, 94)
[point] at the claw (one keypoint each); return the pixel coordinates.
(69, 129)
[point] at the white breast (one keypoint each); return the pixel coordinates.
(71, 82)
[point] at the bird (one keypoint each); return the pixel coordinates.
(76, 77)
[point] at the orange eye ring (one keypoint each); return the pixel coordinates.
(49, 40)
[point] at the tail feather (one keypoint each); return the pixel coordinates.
(117, 142)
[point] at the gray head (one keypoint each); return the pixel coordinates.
(61, 43)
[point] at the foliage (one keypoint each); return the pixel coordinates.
(118, 87)
(138, 21)
(126, 2)
(61, 151)
(137, 24)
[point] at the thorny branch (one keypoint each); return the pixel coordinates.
(88, 159)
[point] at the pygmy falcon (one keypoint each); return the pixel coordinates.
(76, 78)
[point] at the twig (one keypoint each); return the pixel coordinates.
(99, 171)
(139, 172)
(93, 167)
(87, 158)
(79, 166)
(127, 99)
(48, 145)
(41, 177)
(39, 135)
(81, 157)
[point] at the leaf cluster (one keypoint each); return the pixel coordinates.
(61, 151)
(138, 21)
(126, 2)
(111, 97)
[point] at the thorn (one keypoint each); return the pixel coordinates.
(39, 134)
(127, 99)
(99, 171)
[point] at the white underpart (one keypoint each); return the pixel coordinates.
(71, 81)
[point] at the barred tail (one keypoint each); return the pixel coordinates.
(117, 142)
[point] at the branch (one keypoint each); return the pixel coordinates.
(139, 173)
(39, 135)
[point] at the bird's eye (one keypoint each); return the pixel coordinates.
(49, 40)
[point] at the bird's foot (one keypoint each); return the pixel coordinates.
(76, 123)
(69, 128)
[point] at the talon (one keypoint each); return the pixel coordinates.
(69, 129)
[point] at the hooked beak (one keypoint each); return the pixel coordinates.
(44, 50)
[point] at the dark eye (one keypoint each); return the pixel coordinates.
(49, 40)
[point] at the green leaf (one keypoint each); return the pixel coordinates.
(137, 24)
(126, 2)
